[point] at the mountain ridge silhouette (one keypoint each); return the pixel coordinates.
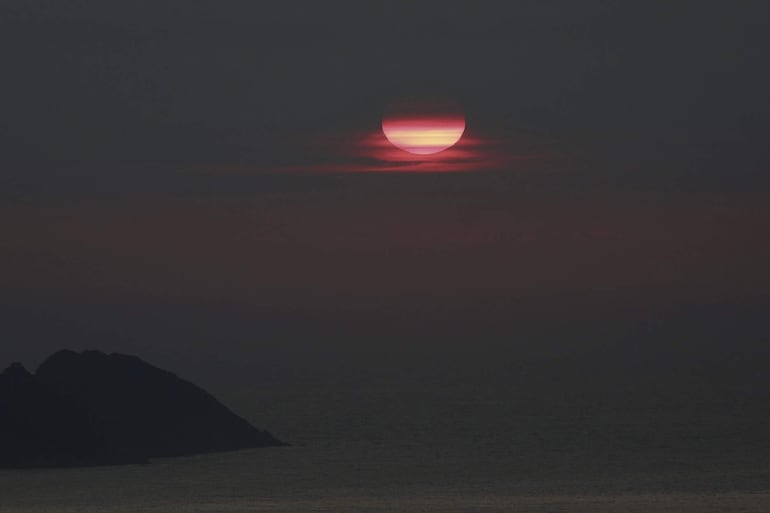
(93, 408)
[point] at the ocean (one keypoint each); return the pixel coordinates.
(465, 443)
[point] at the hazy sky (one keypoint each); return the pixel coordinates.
(214, 157)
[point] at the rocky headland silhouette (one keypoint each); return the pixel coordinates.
(92, 408)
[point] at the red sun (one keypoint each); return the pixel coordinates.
(423, 127)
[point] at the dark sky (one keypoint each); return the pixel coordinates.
(181, 176)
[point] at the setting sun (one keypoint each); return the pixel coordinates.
(423, 128)
(423, 136)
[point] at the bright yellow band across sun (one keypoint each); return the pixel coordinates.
(423, 137)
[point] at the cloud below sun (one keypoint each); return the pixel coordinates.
(369, 151)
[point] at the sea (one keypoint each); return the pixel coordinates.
(494, 439)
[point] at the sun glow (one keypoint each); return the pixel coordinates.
(423, 128)
(424, 137)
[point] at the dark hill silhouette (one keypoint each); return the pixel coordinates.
(40, 428)
(91, 408)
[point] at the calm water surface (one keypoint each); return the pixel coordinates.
(475, 445)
